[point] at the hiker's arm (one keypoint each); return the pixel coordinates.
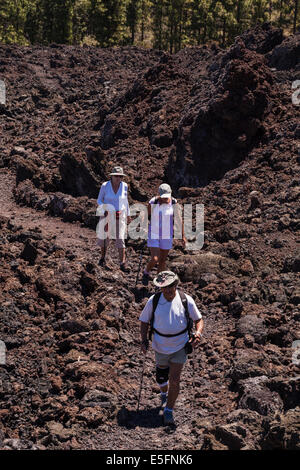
(179, 223)
(199, 325)
(145, 219)
(144, 336)
(149, 211)
(144, 331)
(128, 212)
(100, 201)
(184, 240)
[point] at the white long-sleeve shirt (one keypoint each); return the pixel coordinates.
(117, 200)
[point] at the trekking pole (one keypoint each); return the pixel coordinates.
(141, 384)
(192, 352)
(193, 377)
(105, 238)
(140, 263)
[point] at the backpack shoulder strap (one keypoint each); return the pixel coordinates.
(154, 305)
(183, 300)
(186, 311)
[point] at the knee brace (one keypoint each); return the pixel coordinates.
(162, 376)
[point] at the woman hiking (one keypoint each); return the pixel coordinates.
(161, 211)
(114, 208)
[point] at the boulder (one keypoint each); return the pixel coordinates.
(283, 432)
(29, 252)
(247, 363)
(257, 397)
(254, 326)
(286, 55)
(193, 267)
(59, 431)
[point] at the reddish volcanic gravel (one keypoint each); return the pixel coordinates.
(221, 128)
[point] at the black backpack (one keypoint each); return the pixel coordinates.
(189, 321)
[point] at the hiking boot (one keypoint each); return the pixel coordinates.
(124, 268)
(102, 262)
(145, 279)
(168, 418)
(163, 399)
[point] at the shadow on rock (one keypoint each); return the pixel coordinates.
(147, 418)
(140, 293)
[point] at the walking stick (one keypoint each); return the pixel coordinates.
(141, 384)
(140, 263)
(193, 376)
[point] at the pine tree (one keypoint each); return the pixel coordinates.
(12, 20)
(259, 11)
(62, 24)
(296, 15)
(80, 20)
(133, 17)
(157, 13)
(145, 19)
(34, 22)
(199, 20)
(108, 21)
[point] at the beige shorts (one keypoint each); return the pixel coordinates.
(178, 357)
(116, 235)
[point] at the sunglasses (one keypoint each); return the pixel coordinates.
(171, 286)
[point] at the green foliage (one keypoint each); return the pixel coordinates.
(133, 17)
(163, 24)
(12, 21)
(80, 21)
(107, 20)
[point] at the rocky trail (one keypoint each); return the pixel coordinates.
(221, 127)
(67, 236)
(131, 429)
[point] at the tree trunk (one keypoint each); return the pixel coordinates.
(199, 36)
(270, 11)
(180, 30)
(295, 16)
(238, 12)
(224, 32)
(280, 15)
(143, 23)
(204, 33)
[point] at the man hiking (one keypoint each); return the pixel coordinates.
(169, 314)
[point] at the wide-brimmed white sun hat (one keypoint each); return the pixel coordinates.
(117, 171)
(165, 278)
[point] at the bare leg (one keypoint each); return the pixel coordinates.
(163, 254)
(121, 255)
(104, 247)
(174, 384)
(153, 260)
(119, 241)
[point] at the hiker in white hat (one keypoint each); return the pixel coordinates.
(161, 212)
(170, 315)
(114, 208)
